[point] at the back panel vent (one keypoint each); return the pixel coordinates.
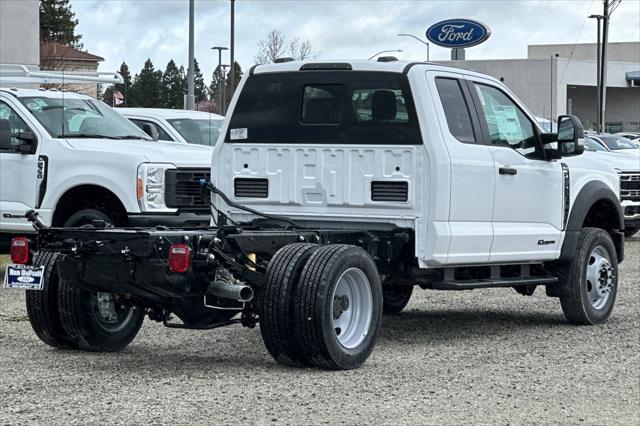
(251, 188)
(390, 191)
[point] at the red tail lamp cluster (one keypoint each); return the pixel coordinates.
(20, 250)
(179, 255)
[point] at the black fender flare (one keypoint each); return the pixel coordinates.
(590, 194)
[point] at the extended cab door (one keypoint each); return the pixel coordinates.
(528, 202)
(20, 176)
(472, 170)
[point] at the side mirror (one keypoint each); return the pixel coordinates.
(5, 135)
(151, 130)
(28, 142)
(570, 136)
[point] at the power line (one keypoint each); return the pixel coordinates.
(566, 65)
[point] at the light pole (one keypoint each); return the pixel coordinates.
(220, 82)
(384, 51)
(224, 90)
(232, 77)
(551, 85)
(419, 39)
(190, 75)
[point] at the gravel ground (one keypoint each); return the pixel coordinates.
(485, 356)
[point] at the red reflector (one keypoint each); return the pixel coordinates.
(179, 258)
(20, 250)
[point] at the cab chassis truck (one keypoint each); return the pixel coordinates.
(317, 266)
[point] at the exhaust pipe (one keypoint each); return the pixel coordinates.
(225, 290)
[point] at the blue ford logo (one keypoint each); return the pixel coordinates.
(458, 33)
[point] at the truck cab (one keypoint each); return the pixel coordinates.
(448, 153)
(77, 160)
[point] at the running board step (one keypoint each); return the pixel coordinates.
(504, 282)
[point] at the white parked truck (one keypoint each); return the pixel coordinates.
(176, 125)
(336, 188)
(76, 160)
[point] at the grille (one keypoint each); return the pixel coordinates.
(251, 188)
(390, 191)
(182, 188)
(630, 186)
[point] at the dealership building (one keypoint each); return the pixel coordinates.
(558, 79)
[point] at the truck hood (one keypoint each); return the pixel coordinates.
(622, 162)
(180, 154)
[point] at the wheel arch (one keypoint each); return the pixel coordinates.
(596, 205)
(85, 196)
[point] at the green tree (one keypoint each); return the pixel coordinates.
(145, 89)
(199, 86)
(237, 69)
(58, 23)
(215, 87)
(172, 88)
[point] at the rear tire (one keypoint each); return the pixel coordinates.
(591, 285)
(42, 306)
(338, 307)
(276, 303)
(97, 321)
(86, 217)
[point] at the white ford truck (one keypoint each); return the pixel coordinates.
(336, 188)
(76, 160)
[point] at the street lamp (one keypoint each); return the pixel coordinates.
(385, 51)
(224, 89)
(419, 39)
(220, 49)
(599, 66)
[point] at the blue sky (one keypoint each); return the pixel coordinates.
(133, 30)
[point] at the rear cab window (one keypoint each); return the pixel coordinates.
(326, 107)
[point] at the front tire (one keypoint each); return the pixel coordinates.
(630, 232)
(338, 307)
(395, 298)
(591, 285)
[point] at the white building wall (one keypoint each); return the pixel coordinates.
(20, 32)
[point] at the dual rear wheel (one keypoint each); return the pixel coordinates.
(321, 306)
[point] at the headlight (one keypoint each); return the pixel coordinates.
(150, 187)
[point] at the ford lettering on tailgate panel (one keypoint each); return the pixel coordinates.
(309, 177)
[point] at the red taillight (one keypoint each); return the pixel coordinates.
(20, 250)
(179, 258)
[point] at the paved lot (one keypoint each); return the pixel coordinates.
(485, 356)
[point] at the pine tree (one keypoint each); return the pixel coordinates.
(215, 87)
(107, 96)
(124, 88)
(236, 77)
(199, 86)
(145, 89)
(172, 86)
(58, 23)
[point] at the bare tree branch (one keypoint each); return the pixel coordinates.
(275, 46)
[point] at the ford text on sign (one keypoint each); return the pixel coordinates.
(458, 33)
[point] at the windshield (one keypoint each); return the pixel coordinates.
(592, 145)
(201, 132)
(81, 118)
(616, 143)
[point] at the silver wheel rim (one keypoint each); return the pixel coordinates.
(111, 315)
(600, 277)
(352, 308)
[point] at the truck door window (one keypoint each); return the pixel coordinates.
(456, 109)
(17, 124)
(162, 135)
(507, 124)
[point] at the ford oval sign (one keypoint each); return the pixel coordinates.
(458, 33)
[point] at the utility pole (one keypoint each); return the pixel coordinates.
(419, 39)
(609, 7)
(220, 69)
(232, 77)
(190, 86)
(599, 69)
